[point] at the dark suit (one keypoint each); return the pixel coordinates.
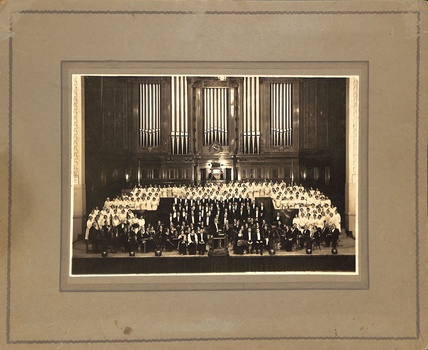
(325, 231)
(214, 229)
(289, 240)
(202, 243)
(297, 236)
(335, 237)
(249, 237)
(258, 242)
(191, 243)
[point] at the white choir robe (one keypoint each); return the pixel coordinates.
(337, 221)
(88, 226)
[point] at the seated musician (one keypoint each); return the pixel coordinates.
(324, 232)
(275, 237)
(289, 239)
(334, 235)
(143, 240)
(215, 231)
(258, 242)
(248, 236)
(297, 235)
(231, 233)
(240, 243)
(327, 236)
(281, 231)
(115, 239)
(268, 239)
(192, 242)
(202, 241)
(305, 238)
(277, 221)
(132, 244)
(167, 240)
(317, 237)
(104, 235)
(182, 243)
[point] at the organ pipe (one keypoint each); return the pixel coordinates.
(149, 115)
(179, 116)
(281, 115)
(215, 115)
(251, 115)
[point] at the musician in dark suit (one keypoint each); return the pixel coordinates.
(289, 240)
(268, 239)
(325, 232)
(297, 235)
(104, 236)
(167, 240)
(328, 236)
(317, 238)
(258, 241)
(240, 243)
(277, 220)
(182, 243)
(143, 239)
(192, 242)
(334, 235)
(132, 243)
(202, 241)
(305, 237)
(122, 231)
(215, 228)
(249, 238)
(231, 233)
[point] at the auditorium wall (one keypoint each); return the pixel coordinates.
(322, 156)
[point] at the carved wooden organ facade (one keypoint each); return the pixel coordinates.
(182, 129)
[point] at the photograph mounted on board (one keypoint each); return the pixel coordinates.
(203, 174)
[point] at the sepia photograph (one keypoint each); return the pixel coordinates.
(214, 174)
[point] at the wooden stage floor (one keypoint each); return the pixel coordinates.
(172, 262)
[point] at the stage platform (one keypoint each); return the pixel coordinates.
(170, 262)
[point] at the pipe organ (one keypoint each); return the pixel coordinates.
(149, 115)
(179, 116)
(173, 129)
(281, 114)
(215, 116)
(251, 115)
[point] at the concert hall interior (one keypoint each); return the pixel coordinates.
(230, 166)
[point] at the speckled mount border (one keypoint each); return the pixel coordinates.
(215, 13)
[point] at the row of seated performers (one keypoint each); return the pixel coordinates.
(243, 237)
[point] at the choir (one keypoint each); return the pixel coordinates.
(201, 215)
